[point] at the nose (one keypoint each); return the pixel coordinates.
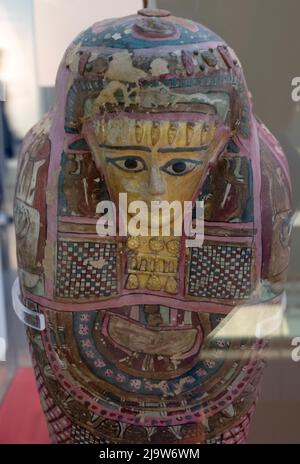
(156, 182)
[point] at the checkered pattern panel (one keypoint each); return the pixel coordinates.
(82, 436)
(220, 271)
(58, 424)
(86, 269)
(237, 434)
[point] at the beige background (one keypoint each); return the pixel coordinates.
(265, 35)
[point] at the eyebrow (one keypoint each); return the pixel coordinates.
(160, 150)
(128, 147)
(182, 149)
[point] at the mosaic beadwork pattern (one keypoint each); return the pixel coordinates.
(135, 416)
(80, 435)
(238, 434)
(219, 271)
(59, 425)
(86, 269)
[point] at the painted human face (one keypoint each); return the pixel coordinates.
(155, 160)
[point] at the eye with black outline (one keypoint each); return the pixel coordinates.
(128, 163)
(180, 167)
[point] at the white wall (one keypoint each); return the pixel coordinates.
(57, 22)
(18, 70)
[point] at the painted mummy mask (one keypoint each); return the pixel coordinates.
(141, 339)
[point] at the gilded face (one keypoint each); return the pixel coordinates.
(154, 160)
